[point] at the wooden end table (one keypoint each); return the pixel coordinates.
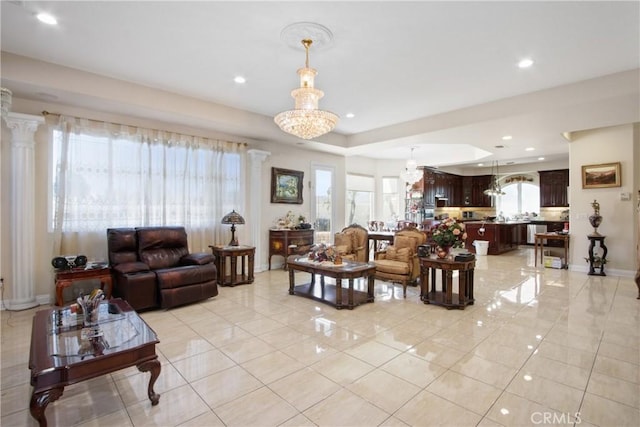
(539, 242)
(446, 297)
(332, 294)
(65, 278)
(63, 352)
(233, 252)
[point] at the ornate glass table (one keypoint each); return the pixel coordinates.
(64, 351)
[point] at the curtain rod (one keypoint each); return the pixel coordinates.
(46, 113)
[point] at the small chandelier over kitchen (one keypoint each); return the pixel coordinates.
(411, 174)
(494, 189)
(306, 120)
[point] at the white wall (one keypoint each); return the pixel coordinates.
(596, 146)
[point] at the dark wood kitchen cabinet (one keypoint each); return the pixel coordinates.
(480, 183)
(553, 188)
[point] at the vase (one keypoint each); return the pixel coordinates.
(442, 252)
(595, 221)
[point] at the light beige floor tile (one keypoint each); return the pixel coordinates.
(604, 412)
(413, 369)
(614, 389)
(304, 388)
(201, 365)
(486, 422)
(260, 326)
(427, 407)
(219, 337)
(400, 339)
(208, 419)
(190, 346)
(342, 368)
(309, 351)
(298, 421)
(175, 407)
(548, 393)
(247, 349)
(393, 422)
(384, 390)
(514, 410)
(617, 368)
(272, 366)
(436, 353)
(556, 371)
(464, 391)
(20, 419)
(484, 370)
(260, 407)
(119, 418)
(133, 388)
(341, 338)
(283, 337)
(372, 352)
(15, 399)
(619, 352)
(345, 409)
(568, 355)
(225, 386)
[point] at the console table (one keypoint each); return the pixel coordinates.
(66, 278)
(289, 242)
(233, 252)
(446, 297)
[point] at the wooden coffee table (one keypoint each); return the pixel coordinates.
(328, 293)
(64, 353)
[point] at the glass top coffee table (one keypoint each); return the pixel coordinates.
(64, 352)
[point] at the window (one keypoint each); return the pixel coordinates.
(390, 199)
(106, 177)
(519, 198)
(322, 207)
(360, 190)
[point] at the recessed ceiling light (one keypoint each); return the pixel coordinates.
(525, 63)
(350, 115)
(540, 158)
(511, 163)
(506, 137)
(529, 149)
(499, 146)
(47, 18)
(480, 164)
(239, 79)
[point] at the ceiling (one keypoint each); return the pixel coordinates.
(438, 76)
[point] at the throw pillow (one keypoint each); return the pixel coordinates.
(344, 239)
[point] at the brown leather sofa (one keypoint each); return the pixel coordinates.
(152, 267)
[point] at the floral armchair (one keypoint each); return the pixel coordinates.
(352, 243)
(399, 262)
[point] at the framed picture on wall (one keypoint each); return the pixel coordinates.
(286, 186)
(601, 176)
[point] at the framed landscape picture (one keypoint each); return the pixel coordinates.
(286, 186)
(601, 176)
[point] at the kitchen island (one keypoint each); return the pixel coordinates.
(502, 236)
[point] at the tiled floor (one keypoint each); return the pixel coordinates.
(539, 347)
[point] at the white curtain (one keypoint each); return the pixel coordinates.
(106, 175)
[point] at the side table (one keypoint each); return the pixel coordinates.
(597, 262)
(446, 297)
(65, 278)
(233, 252)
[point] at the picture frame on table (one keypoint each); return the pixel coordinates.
(286, 186)
(603, 175)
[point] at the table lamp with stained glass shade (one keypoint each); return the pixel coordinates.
(233, 218)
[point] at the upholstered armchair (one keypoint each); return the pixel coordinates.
(399, 262)
(352, 243)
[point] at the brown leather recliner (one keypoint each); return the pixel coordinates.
(152, 267)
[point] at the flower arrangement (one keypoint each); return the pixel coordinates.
(323, 252)
(450, 233)
(292, 221)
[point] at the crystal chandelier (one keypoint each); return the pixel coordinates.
(411, 174)
(306, 121)
(494, 190)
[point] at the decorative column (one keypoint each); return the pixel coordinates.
(23, 128)
(256, 157)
